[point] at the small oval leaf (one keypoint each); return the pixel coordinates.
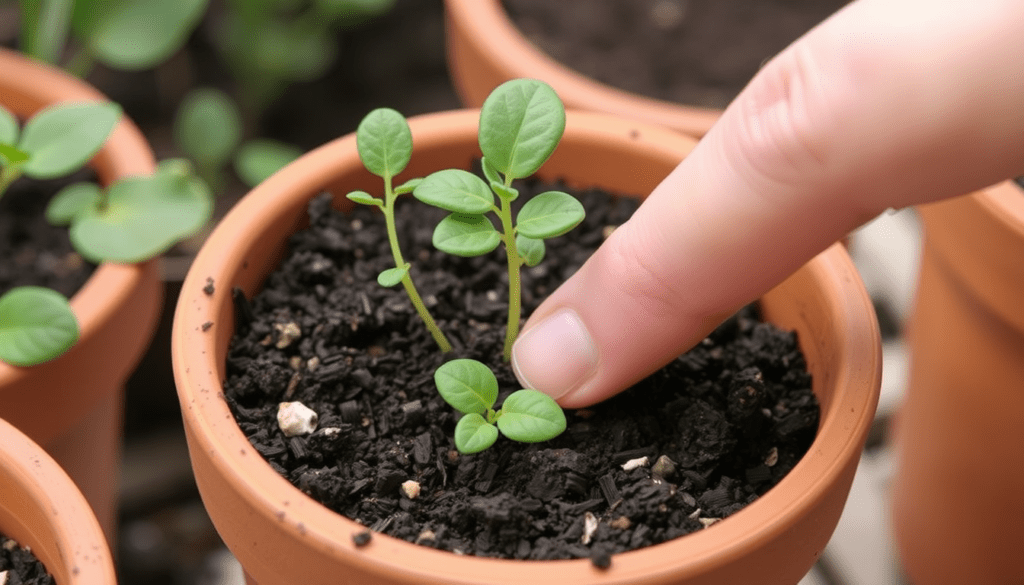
(9, 127)
(257, 159)
(509, 193)
(364, 198)
(466, 235)
(468, 385)
(455, 190)
(62, 138)
(531, 250)
(490, 172)
(36, 325)
(549, 214)
(392, 276)
(71, 201)
(384, 142)
(530, 416)
(208, 127)
(474, 434)
(408, 186)
(521, 122)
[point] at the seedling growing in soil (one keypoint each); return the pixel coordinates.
(470, 387)
(521, 123)
(384, 142)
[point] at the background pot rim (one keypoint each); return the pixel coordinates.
(216, 439)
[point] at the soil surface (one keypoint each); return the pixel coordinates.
(19, 566)
(691, 444)
(35, 252)
(697, 52)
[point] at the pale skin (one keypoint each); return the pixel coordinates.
(887, 104)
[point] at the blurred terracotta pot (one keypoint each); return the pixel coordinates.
(42, 509)
(486, 49)
(73, 405)
(280, 535)
(958, 506)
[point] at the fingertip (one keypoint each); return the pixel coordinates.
(557, 356)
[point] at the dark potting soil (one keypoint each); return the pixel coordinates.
(718, 427)
(20, 565)
(34, 252)
(696, 52)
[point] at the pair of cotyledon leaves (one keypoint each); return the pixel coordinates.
(470, 387)
(521, 123)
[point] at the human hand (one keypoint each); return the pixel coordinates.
(888, 103)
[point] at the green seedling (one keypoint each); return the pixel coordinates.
(384, 142)
(55, 142)
(470, 387)
(521, 123)
(36, 325)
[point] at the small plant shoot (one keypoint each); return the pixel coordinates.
(527, 416)
(521, 123)
(384, 142)
(36, 326)
(55, 142)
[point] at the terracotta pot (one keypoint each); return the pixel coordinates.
(72, 406)
(282, 536)
(42, 509)
(486, 49)
(957, 506)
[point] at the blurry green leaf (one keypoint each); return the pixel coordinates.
(44, 28)
(455, 190)
(364, 198)
(521, 122)
(384, 142)
(9, 127)
(36, 325)
(60, 139)
(408, 186)
(466, 235)
(144, 216)
(353, 12)
(392, 276)
(257, 159)
(71, 201)
(11, 155)
(208, 127)
(549, 214)
(136, 34)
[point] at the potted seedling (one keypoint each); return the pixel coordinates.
(282, 536)
(62, 374)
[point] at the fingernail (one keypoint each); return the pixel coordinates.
(556, 355)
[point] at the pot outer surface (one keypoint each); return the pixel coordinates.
(733, 416)
(695, 52)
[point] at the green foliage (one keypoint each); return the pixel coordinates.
(257, 159)
(521, 123)
(208, 129)
(45, 25)
(471, 388)
(384, 143)
(135, 218)
(36, 326)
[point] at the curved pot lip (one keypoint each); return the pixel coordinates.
(1005, 202)
(74, 540)
(27, 86)
(198, 377)
(518, 57)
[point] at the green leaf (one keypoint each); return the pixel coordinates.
(8, 127)
(530, 250)
(530, 416)
(60, 139)
(364, 198)
(36, 325)
(11, 155)
(257, 159)
(505, 192)
(392, 276)
(466, 235)
(44, 28)
(549, 214)
(474, 434)
(408, 186)
(384, 142)
(136, 34)
(456, 190)
(71, 201)
(490, 173)
(521, 122)
(468, 385)
(144, 216)
(208, 127)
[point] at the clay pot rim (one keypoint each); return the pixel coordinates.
(198, 375)
(26, 87)
(1005, 202)
(516, 57)
(48, 490)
